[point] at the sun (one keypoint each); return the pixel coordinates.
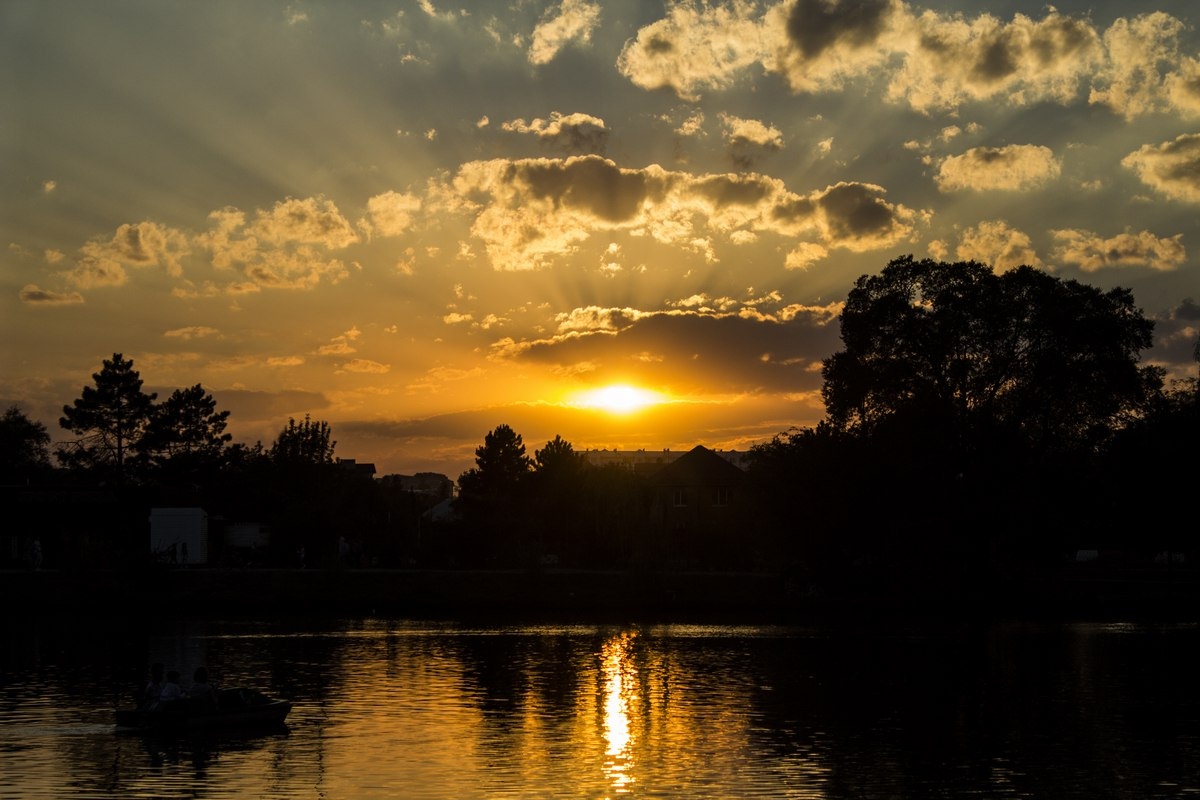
(618, 398)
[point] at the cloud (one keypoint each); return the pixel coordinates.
(818, 45)
(1014, 167)
(694, 48)
(366, 367)
(283, 248)
(929, 60)
(751, 131)
(748, 138)
(1172, 168)
(1093, 252)
(33, 295)
(997, 244)
(529, 211)
(1145, 73)
(574, 22)
(692, 125)
(340, 345)
(390, 213)
(91, 273)
(142, 244)
(951, 60)
(570, 133)
(804, 255)
(311, 220)
(689, 349)
(191, 332)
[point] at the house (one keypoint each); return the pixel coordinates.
(366, 469)
(179, 535)
(701, 512)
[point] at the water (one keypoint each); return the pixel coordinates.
(391, 708)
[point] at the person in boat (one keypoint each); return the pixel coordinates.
(170, 688)
(153, 688)
(201, 689)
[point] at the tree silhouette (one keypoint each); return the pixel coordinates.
(490, 494)
(186, 432)
(501, 466)
(974, 358)
(110, 418)
(307, 442)
(24, 447)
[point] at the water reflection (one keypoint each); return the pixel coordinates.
(388, 708)
(620, 681)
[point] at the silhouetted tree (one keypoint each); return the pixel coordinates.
(973, 358)
(24, 447)
(490, 495)
(110, 418)
(558, 498)
(307, 442)
(501, 466)
(186, 434)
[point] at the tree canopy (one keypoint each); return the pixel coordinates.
(501, 466)
(24, 446)
(187, 426)
(976, 354)
(307, 442)
(109, 417)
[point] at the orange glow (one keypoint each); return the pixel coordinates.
(619, 695)
(618, 399)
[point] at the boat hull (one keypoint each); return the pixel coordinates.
(235, 709)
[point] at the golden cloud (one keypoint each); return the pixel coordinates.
(1093, 252)
(574, 22)
(1014, 167)
(1172, 168)
(997, 244)
(529, 211)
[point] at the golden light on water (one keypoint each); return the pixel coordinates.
(618, 398)
(619, 694)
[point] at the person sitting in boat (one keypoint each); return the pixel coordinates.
(201, 689)
(153, 688)
(170, 688)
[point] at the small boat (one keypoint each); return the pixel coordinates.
(236, 708)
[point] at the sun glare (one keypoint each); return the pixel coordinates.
(618, 399)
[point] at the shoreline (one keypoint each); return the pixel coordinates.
(589, 595)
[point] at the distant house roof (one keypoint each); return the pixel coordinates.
(366, 468)
(699, 467)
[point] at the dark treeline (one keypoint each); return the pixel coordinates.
(977, 423)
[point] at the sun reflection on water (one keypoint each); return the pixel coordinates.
(620, 687)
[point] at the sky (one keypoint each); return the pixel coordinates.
(631, 224)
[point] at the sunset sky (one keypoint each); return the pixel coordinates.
(420, 219)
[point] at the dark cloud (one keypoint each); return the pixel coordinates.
(814, 26)
(254, 406)
(1189, 309)
(36, 296)
(592, 184)
(692, 352)
(729, 190)
(856, 211)
(997, 59)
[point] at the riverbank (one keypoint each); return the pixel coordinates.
(585, 595)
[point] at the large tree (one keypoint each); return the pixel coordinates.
(24, 447)
(109, 418)
(186, 433)
(501, 466)
(972, 357)
(490, 494)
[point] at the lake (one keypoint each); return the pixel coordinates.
(409, 709)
